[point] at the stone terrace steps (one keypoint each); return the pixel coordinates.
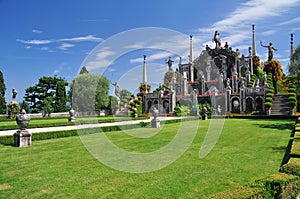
(280, 105)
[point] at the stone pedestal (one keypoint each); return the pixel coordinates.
(155, 123)
(204, 116)
(71, 116)
(22, 138)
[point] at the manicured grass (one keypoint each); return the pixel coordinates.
(62, 168)
(62, 121)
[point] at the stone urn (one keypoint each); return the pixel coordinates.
(22, 120)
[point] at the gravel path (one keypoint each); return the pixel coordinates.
(83, 126)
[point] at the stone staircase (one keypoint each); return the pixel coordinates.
(280, 105)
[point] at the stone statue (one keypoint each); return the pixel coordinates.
(228, 83)
(194, 97)
(14, 95)
(217, 39)
(270, 50)
(117, 90)
(170, 63)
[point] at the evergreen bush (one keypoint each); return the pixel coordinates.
(269, 99)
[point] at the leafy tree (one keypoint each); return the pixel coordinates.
(46, 87)
(60, 97)
(294, 67)
(112, 104)
(24, 105)
(102, 96)
(125, 95)
(83, 70)
(275, 68)
(2, 94)
(48, 106)
(89, 92)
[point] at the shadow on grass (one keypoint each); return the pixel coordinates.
(276, 126)
(287, 150)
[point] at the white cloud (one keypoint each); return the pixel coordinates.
(65, 46)
(92, 38)
(35, 41)
(45, 48)
(153, 57)
(63, 42)
(292, 21)
(237, 24)
(37, 31)
(101, 59)
(269, 32)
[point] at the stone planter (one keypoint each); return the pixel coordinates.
(22, 138)
(23, 120)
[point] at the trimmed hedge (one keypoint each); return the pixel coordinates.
(240, 193)
(292, 167)
(295, 150)
(279, 185)
(9, 140)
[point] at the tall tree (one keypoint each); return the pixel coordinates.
(2, 94)
(102, 93)
(60, 100)
(24, 105)
(89, 92)
(294, 67)
(46, 87)
(275, 68)
(83, 70)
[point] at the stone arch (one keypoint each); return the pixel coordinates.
(259, 103)
(235, 104)
(200, 74)
(250, 103)
(149, 106)
(166, 107)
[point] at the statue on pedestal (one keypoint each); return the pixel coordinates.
(270, 50)
(14, 95)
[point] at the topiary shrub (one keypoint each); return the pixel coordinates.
(269, 95)
(268, 104)
(293, 99)
(292, 95)
(269, 99)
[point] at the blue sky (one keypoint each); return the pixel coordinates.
(46, 38)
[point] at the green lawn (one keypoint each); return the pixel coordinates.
(62, 168)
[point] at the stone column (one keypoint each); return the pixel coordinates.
(202, 84)
(185, 86)
(242, 100)
(208, 70)
(248, 76)
(234, 81)
(221, 83)
(227, 99)
(191, 59)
